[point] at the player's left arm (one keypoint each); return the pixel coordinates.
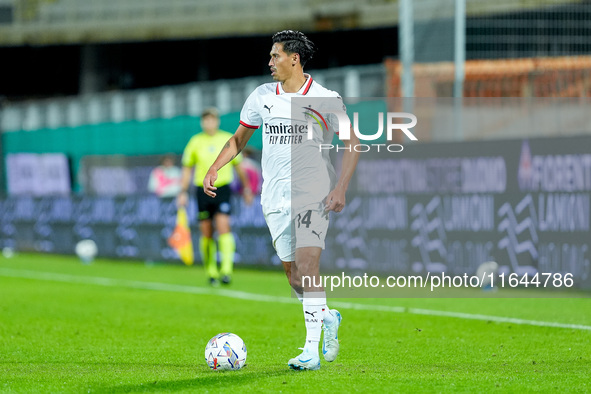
(335, 201)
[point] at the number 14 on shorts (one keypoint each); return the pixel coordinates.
(304, 218)
(311, 227)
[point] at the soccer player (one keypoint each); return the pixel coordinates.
(200, 152)
(269, 106)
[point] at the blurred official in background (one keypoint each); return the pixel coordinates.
(214, 213)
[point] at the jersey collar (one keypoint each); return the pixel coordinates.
(304, 89)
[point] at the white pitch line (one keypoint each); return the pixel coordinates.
(496, 319)
(242, 295)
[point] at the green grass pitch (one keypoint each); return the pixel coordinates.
(120, 327)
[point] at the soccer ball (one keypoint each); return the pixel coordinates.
(86, 250)
(7, 252)
(225, 352)
(484, 271)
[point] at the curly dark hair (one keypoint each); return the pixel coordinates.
(295, 42)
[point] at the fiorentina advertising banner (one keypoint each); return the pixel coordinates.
(450, 207)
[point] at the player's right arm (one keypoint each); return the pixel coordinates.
(232, 148)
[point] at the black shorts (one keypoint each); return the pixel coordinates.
(208, 206)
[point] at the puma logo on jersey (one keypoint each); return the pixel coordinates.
(268, 108)
(316, 234)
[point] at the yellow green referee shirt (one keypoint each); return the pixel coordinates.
(201, 152)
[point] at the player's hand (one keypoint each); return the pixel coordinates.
(209, 181)
(335, 201)
(182, 199)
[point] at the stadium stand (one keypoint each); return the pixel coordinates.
(60, 21)
(529, 77)
(84, 21)
(171, 101)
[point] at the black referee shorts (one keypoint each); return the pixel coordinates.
(208, 206)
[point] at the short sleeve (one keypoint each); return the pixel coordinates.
(250, 116)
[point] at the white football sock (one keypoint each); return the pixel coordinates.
(300, 296)
(313, 316)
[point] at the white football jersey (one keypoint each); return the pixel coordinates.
(296, 173)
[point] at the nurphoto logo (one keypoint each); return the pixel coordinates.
(392, 124)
